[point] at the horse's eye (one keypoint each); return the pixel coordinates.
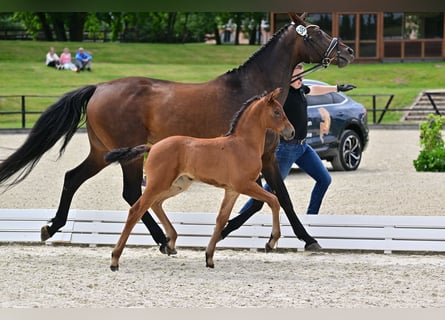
(276, 112)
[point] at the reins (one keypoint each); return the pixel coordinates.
(325, 62)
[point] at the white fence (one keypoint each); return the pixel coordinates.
(335, 232)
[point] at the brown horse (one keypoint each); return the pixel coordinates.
(231, 162)
(131, 111)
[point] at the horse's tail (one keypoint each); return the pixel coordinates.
(60, 119)
(126, 154)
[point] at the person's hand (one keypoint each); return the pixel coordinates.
(345, 87)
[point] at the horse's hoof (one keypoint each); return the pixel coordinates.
(314, 246)
(44, 233)
(114, 268)
(268, 248)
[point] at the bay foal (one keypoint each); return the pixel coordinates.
(232, 162)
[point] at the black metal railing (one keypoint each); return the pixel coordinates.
(23, 110)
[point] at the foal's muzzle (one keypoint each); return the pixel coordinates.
(288, 132)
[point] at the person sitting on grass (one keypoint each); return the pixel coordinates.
(52, 59)
(65, 60)
(83, 60)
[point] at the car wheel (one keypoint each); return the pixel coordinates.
(349, 152)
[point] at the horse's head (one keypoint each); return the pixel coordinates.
(320, 47)
(277, 119)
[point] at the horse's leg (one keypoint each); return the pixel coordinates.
(227, 204)
(271, 173)
(132, 174)
(73, 180)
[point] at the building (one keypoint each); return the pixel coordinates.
(382, 36)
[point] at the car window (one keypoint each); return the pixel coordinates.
(329, 98)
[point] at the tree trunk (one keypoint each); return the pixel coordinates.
(47, 31)
(76, 22)
(58, 22)
(217, 36)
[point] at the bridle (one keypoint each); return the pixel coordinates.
(325, 61)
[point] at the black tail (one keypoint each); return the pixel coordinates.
(60, 119)
(126, 154)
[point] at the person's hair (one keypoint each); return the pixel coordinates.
(299, 66)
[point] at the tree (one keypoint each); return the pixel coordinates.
(53, 25)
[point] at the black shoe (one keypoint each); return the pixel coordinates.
(89, 69)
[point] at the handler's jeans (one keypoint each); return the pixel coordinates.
(307, 160)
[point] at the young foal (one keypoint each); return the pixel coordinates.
(232, 162)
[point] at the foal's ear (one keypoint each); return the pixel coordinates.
(274, 94)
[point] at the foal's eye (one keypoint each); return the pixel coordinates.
(276, 112)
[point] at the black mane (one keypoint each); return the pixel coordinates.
(240, 112)
(270, 42)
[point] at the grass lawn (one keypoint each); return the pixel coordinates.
(24, 72)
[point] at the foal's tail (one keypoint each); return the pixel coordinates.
(60, 119)
(126, 154)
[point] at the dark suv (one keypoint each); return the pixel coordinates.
(337, 128)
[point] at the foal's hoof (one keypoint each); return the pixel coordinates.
(114, 268)
(209, 264)
(44, 233)
(165, 249)
(314, 246)
(268, 248)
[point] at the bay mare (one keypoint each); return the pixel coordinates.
(231, 162)
(131, 111)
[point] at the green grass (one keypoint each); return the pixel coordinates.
(23, 72)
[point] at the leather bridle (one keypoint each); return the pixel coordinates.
(326, 58)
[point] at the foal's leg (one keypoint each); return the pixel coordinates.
(73, 180)
(134, 215)
(255, 191)
(172, 235)
(236, 222)
(132, 174)
(227, 204)
(179, 185)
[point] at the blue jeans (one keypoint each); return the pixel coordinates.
(307, 160)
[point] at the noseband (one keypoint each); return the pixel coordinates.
(325, 61)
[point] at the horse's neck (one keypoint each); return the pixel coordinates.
(269, 68)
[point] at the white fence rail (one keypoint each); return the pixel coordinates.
(336, 232)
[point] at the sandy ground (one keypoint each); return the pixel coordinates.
(71, 276)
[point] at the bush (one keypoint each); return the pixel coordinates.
(432, 155)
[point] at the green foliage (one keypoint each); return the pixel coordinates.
(432, 155)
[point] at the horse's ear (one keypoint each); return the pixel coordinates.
(297, 19)
(293, 16)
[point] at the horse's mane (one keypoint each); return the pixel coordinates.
(240, 112)
(270, 42)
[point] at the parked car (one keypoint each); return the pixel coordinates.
(337, 128)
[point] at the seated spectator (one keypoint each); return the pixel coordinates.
(65, 60)
(83, 60)
(52, 59)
